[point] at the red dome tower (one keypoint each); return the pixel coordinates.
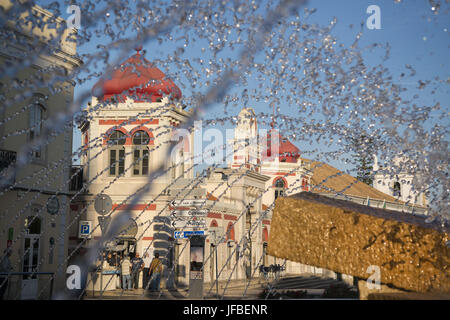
(139, 78)
(287, 152)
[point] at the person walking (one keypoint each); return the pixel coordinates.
(155, 273)
(5, 267)
(126, 273)
(137, 264)
(146, 278)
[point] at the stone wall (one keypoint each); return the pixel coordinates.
(349, 238)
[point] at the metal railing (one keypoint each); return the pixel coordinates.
(17, 295)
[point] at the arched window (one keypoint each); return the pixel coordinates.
(229, 236)
(280, 188)
(397, 189)
(140, 153)
(36, 116)
(117, 138)
(141, 138)
(116, 153)
(305, 186)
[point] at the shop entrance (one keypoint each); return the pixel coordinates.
(31, 256)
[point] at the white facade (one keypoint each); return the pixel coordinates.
(396, 181)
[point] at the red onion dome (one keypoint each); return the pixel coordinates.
(139, 78)
(287, 152)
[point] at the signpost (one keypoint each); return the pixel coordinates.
(188, 216)
(182, 224)
(190, 213)
(187, 234)
(104, 223)
(188, 203)
(84, 230)
(216, 235)
(103, 204)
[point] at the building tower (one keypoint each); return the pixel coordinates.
(129, 126)
(400, 181)
(246, 141)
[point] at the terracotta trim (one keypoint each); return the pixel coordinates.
(140, 207)
(214, 215)
(279, 173)
(119, 122)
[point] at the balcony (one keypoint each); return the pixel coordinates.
(7, 168)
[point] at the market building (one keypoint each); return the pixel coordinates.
(134, 118)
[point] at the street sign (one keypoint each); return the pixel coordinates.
(190, 213)
(84, 230)
(103, 204)
(104, 223)
(188, 203)
(181, 224)
(216, 234)
(187, 234)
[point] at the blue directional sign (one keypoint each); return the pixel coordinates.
(187, 234)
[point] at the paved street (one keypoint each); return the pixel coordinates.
(312, 284)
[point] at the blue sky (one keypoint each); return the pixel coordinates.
(416, 35)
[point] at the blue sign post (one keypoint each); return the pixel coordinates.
(187, 234)
(85, 229)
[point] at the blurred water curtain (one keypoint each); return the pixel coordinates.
(128, 126)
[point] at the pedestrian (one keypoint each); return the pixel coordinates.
(5, 267)
(145, 274)
(137, 264)
(155, 273)
(118, 266)
(126, 273)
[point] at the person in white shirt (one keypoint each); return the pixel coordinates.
(126, 273)
(147, 261)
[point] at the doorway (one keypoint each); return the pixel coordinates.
(31, 257)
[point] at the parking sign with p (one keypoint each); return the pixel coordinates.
(85, 229)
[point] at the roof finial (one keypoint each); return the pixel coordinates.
(272, 123)
(138, 48)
